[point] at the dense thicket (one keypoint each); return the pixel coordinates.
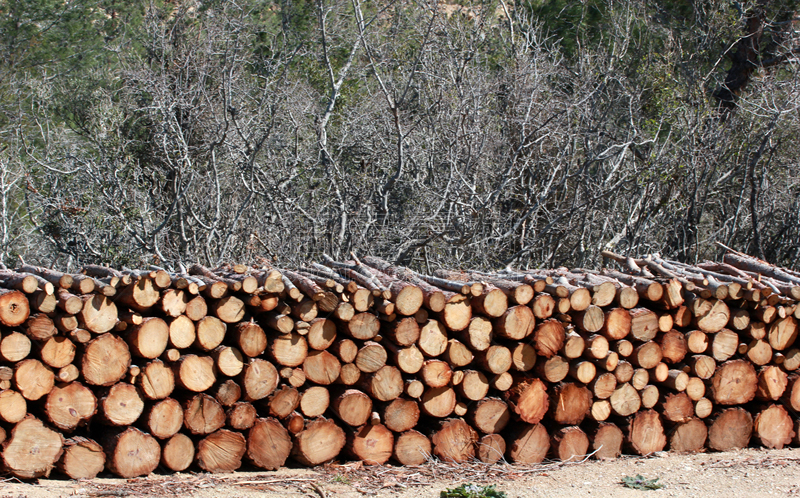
(476, 133)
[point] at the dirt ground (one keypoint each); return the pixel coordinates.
(745, 473)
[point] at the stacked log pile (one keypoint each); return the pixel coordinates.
(211, 368)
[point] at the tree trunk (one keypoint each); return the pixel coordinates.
(131, 453)
(82, 458)
(371, 444)
(454, 440)
(730, 430)
(177, 453)
(32, 449)
(411, 448)
(319, 442)
(164, 418)
(221, 451)
(528, 444)
(202, 414)
(268, 444)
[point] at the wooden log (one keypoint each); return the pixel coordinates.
(645, 433)
(569, 443)
(221, 451)
(196, 309)
(371, 357)
(202, 414)
(177, 453)
(625, 400)
(289, 350)
(644, 324)
(399, 415)
(783, 333)
(68, 373)
(411, 448)
(39, 327)
(590, 320)
(478, 335)
(182, 332)
(371, 444)
(321, 367)
(163, 419)
(363, 326)
(697, 341)
(148, 339)
(438, 402)
(156, 381)
(140, 295)
(543, 306)
(69, 406)
(210, 332)
(319, 442)
(774, 427)
(710, 315)
(528, 444)
(492, 302)
(734, 383)
(403, 332)
(772, 383)
(56, 352)
(574, 345)
(673, 346)
(384, 385)
(676, 407)
(314, 401)
(32, 449)
(14, 308)
(258, 379)
(458, 355)
(352, 407)
(33, 379)
(549, 337)
(724, 345)
(194, 373)
(489, 415)
(731, 429)
(646, 355)
(15, 347)
(688, 437)
(436, 373)
(250, 338)
(454, 441)
(432, 339)
(528, 398)
(105, 360)
(131, 453)
(790, 398)
(496, 359)
(268, 444)
(516, 323)
(759, 352)
(82, 458)
(491, 448)
(607, 441)
(119, 405)
(553, 370)
(13, 406)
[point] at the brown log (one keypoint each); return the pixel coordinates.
(790, 398)
(478, 335)
(156, 381)
(164, 418)
(68, 373)
(13, 406)
(149, 339)
(640, 379)
(570, 403)
(646, 355)
(604, 385)
(229, 309)
(250, 338)
(516, 323)
(438, 402)
(221, 451)
(228, 360)
(140, 295)
(371, 357)
(411, 448)
(69, 406)
(56, 352)
(607, 441)
(677, 407)
(528, 398)
(432, 339)
(120, 404)
(554, 369)
(739, 320)
(131, 453)
(241, 416)
(173, 302)
(730, 430)
(314, 401)
(703, 407)
(32, 449)
(177, 453)
(710, 315)
(688, 437)
(345, 349)
(491, 448)
(363, 326)
(645, 433)
(400, 415)
(202, 414)
(549, 337)
(492, 302)
(371, 444)
(319, 442)
(772, 383)
(489, 415)
(289, 350)
(597, 347)
(590, 320)
(32, 379)
(783, 333)
(210, 332)
(774, 427)
(697, 341)
(268, 444)
(644, 324)
(105, 360)
(569, 443)
(82, 458)
(194, 373)
(497, 359)
(724, 345)
(403, 332)
(182, 332)
(682, 317)
(352, 407)
(40, 327)
(321, 367)
(625, 400)
(734, 383)
(258, 379)
(454, 441)
(458, 355)
(528, 444)
(284, 401)
(582, 371)
(759, 352)
(673, 346)
(473, 386)
(14, 308)
(543, 306)
(384, 385)
(574, 345)
(66, 323)
(15, 347)
(24, 282)
(43, 302)
(196, 309)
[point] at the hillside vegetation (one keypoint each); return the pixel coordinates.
(480, 134)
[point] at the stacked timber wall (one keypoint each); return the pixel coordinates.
(130, 370)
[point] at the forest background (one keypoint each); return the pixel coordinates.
(468, 134)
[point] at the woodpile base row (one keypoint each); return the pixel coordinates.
(199, 368)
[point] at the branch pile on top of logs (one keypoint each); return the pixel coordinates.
(209, 368)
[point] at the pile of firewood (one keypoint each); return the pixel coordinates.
(129, 370)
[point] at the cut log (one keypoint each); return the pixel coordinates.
(196, 309)
(478, 336)
(724, 345)
(164, 418)
(644, 324)
(625, 400)
(454, 441)
(82, 458)
(517, 323)
(229, 309)
(363, 326)
(149, 339)
(210, 332)
(319, 442)
(15, 347)
(677, 407)
(703, 407)
(438, 402)
(14, 308)
(268, 444)
(473, 386)
(182, 332)
(384, 385)
(173, 302)
(289, 350)
(783, 333)
(194, 373)
(321, 367)
(590, 320)
(549, 337)
(40, 327)
(703, 366)
(673, 346)
(352, 407)
(371, 357)
(32, 379)
(528, 398)
(491, 448)
(13, 406)
(432, 339)
(569, 443)
(105, 360)
(772, 383)
(543, 306)
(178, 453)
(688, 437)
(250, 338)
(730, 430)
(489, 415)
(258, 379)
(131, 453)
(56, 352)
(496, 359)
(646, 355)
(604, 385)
(70, 406)
(607, 441)
(458, 355)
(645, 433)
(528, 444)
(554, 369)
(400, 415)
(202, 414)
(403, 332)
(570, 403)
(492, 302)
(697, 341)
(32, 449)
(156, 381)
(734, 383)
(710, 315)
(140, 296)
(371, 444)
(411, 448)
(221, 451)
(284, 401)
(120, 404)
(774, 427)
